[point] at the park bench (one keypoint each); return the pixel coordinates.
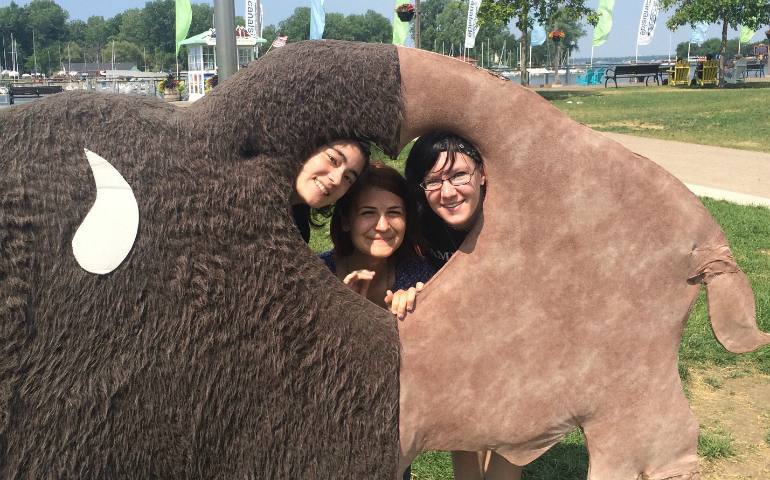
(639, 71)
(33, 91)
(757, 67)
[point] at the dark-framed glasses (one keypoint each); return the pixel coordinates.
(456, 180)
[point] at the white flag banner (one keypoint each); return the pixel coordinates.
(647, 22)
(472, 26)
(251, 18)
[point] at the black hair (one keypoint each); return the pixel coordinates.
(425, 153)
(381, 177)
(318, 215)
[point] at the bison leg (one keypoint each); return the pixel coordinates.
(656, 439)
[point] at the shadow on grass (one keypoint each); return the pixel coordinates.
(552, 96)
(742, 86)
(563, 461)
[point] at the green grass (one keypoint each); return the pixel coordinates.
(714, 443)
(735, 116)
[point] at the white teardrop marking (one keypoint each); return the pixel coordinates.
(108, 232)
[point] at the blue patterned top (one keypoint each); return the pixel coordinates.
(409, 271)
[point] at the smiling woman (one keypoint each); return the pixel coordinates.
(324, 178)
(377, 247)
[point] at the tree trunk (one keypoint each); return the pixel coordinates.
(524, 45)
(722, 55)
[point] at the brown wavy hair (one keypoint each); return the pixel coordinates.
(382, 177)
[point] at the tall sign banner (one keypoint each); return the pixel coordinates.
(317, 19)
(251, 17)
(538, 34)
(472, 25)
(183, 11)
(698, 32)
(647, 22)
(603, 27)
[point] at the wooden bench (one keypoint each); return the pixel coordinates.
(639, 71)
(33, 91)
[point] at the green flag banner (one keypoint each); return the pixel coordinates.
(400, 29)
(602, 29)
(746, 34)
(183, 20)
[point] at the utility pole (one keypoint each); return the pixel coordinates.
(416, 23)
(227, 53)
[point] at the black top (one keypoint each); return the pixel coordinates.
(444, 240)
(301, 214)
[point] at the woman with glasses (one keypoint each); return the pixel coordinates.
(324, 178)
(445, 173)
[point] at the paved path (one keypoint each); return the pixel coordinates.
(739, 176)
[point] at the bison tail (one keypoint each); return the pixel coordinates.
(730, 301)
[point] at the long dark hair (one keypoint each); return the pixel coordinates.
(381, 177)
(425, 153)
(317, 217)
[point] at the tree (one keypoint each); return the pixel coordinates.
(525, 12)
(573, 32)
(371, 27)
(730, 13)
(442, 24)
(269, 33)
(158, 22)
(124, 52)
(131, 26)
(297, 26)
(48, 20)
(202, 18)
(13, 21)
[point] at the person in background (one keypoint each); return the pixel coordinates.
(445, 174)
(699, 69)
(735, 68)
(324, 178)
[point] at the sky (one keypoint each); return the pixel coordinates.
(621, 41)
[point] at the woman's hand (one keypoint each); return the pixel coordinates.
(402, 301)
(358, 281)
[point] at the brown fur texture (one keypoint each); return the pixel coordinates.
(566, 304)
(221, 347)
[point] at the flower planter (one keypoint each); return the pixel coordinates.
(171, 95)
(556, 39)
(405, 16)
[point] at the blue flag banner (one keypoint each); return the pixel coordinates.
(317, 19)
(538, 35)
(698, 32)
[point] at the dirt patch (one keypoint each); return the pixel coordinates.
(735, 402)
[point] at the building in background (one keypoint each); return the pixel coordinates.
(202, 57)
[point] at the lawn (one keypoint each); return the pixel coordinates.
(734, 117)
